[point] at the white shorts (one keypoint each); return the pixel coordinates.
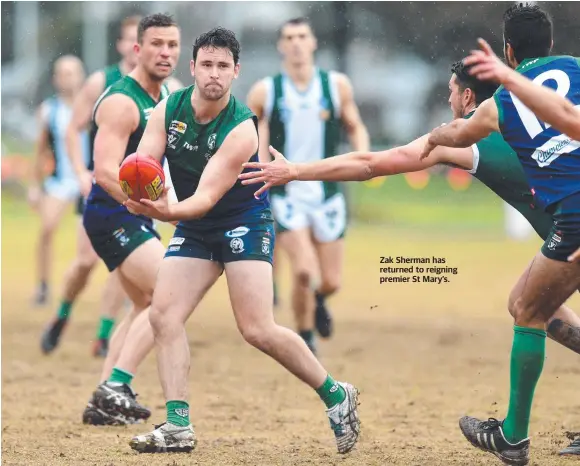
(64, 189)
(327, 220)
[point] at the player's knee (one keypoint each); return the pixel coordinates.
(303, 277)
(330, 286)
(256, 335)
(47, 232)
(526, 314)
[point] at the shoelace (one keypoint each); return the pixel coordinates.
(490, 424)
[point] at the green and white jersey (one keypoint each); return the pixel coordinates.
(305, 127)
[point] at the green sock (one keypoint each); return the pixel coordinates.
(330, 392)
(527, 362)
(64, 310)
(178, 413)
(120, 376)
(105, 328)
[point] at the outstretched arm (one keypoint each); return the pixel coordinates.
(465, 133)
(546, 104)
(355, 166)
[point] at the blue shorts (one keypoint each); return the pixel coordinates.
(115, 233)
(564, 237)
(239, 242)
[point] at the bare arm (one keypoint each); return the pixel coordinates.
(220, 174)
(154, 137)
(356, 166)
(256, 102)
(350, 116)
(117, 117)
(81, 118)
(465, 133)
(42, 149)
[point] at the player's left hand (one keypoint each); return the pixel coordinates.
(274, 173)
(158, 209)
(427, 149)
(486, 64)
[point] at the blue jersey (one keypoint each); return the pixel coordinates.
(57, 114)
(551, 160)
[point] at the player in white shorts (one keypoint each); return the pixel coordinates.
(51, 196)
(301, 111)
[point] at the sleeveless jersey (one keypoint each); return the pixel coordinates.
(189, 148)
(304, 126)
(496, 165)
(145, 103)
(57, 114)
(551, 160)
(112, 75)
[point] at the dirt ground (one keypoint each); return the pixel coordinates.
(422, 355)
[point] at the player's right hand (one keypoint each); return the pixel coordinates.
(86, 183)
(274, 173)
(34, 197)
(486, 64)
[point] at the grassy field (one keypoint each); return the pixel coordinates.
(422, 354)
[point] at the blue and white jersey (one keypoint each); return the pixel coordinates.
(56, 115)
(551, 160)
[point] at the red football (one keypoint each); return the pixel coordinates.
(141, 177)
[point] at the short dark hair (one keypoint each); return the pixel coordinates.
(157, 20)
(528, 29)
(220, 38)
(483, 90)
(295, 22)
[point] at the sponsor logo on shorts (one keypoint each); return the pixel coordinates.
(554, 241)
(237, 245)
(176, 240)
(265, 246)
(178, 126)
(174, 248)
(237, 232)
(120, 236)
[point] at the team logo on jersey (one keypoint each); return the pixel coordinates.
(265, 246)
(171, 139)
(237, 245)
(554, 241)
(147, 112)
(237, 232)
(211, 141)
(178, 126)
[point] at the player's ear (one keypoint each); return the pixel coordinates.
(192, 67)
(137, 48)
(467, 97)
(237, 70)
